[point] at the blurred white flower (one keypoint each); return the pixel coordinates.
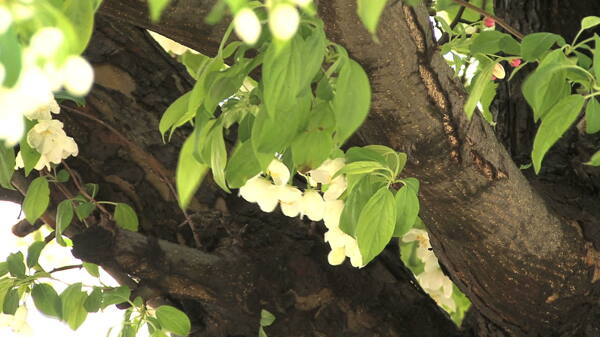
(498, 71)
(247, 26)
(353, 252)
(336, 256)
(278, 172)
(283, 21)
(332, 213)
(5, 19)
(43, 112)
(18, 322)
(78, 75)
(46, 41)
(324, 173)
(313, 205)
(261, 191)
(336, 188)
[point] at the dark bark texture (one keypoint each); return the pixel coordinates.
(522, 248)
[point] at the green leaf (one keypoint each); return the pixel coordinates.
(37, 199)
(91, 189)
(589, 22)
(156, 8)
(73, 309)
(352, 100)
(3, 269)
(46, 300)
(595, 160)
(266, 318)
(310, 149)
(554, 125)
(202, 150)
(175, 115)
(510, 46)
(546, 85)
(261, 332)
(487, 42)
(81, 16)
(93, 302)
(360, 194)
(592, 116)
(535, 45)
(30, 155)
(369, 12)
(596, 63)
(487, 97)
(478, 87)
(376, 224)
(313, 52)
(218, 159)
(62, 176)
(360, 167)
(194, 63)
(92, 269)
(16, 265)
(242, 165)
(10, 56)
(190, 172)
(282, 74)
(126, 217)
(173, 320)
(11, 302)
(33, 253)
(224, 83)
(115, 296)
(407, 210)
(84, 210)
(64, 216)
(7, 165)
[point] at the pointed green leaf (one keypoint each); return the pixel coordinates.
(190, 172)
(478, 87)
(589, 22)
(369, 12)
(352, 100)
(93, 302)
(7, 166)
(407, 210)
(11, 302)
(33, 253)
(126, 217)
(487, 42)
(46, 300)
(595, 160)
(173, 320)
(218, 159)
(242, 165)
(596, 63)
(535, 45)
(554, 125)
(592, 116)
(73, 310)
(37, 199)
(175, 115)
(376, 224)
(115, 296)
(64, 216)
(16, 265)
(30, 155)
(266, 318)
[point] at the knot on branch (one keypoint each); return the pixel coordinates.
(94, 245)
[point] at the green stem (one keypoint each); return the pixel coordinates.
(500, 22)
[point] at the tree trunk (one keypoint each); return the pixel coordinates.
(525, 263)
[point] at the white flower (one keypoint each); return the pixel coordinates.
(247, 26)
(324, 173)
(50, 140)
(498, 71)
(261, 191)
(443, 301)
(332, 213)
(43, 111)
(283, 21)
(5, 19)
(336, 256)
(336, 188)
(313, 205)
(17, 323)
(338, 240)
(46, 41)
(290, 198)
(278, 172)
(78, 75)
(353, 252)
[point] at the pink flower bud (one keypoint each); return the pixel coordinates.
(515, 62)
(489, 22)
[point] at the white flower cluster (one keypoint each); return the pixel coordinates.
(48, 138)
(274, 190)
(17, 322)
(283, 21)
(40, 75)
(432, 279)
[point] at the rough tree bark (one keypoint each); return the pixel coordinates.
(524, 261)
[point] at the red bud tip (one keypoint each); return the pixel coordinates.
(489, 22)
(515, 62)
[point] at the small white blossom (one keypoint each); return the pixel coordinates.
(46, 41)
(50, 140)
(78, 75)
(324, 173)
(278, 172)
(247, 26)
(336, 188)
(261, 191)
(17, 322)
(353, 252)
(43, 112)
(336, 256)
(290, 198)
(332, 213)
(313, 205)
(283, 21)
(338, 240)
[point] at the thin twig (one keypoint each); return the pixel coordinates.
(73, 266)
(500, 21)
(77, 182)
